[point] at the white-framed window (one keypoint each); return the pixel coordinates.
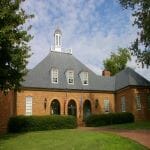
(28, 105)
(106, 105)
(54, 75)
(123, 104)
(148, 101)
(84, 78)
(57, 40)
(70, 76)
(138, 102)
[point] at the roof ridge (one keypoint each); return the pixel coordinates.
(138, 74)
(84, 65)
(117, 74)
(128, 74)
(61, 52)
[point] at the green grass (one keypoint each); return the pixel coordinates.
(67, 140)
(142, 125)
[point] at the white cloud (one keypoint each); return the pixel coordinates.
(89, 29)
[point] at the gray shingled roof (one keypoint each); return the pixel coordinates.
(129, 77)
(40, 77)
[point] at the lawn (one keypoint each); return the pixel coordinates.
(141, 125)
(67, 140)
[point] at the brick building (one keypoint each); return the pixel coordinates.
(60, 84)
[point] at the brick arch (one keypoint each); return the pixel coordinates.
(87, 108)
(72, 107)
(55, 107)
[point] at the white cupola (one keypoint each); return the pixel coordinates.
(57, 40)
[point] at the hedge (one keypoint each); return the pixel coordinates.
(40, 123)
(109, 119)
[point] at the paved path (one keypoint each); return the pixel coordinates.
(140, 136)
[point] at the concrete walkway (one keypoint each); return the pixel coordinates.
(140, 136)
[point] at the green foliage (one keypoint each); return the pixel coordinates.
(40, 123)
(142, 125)
(117, 62)
(109, 119)
(141, 14)
(14, 49)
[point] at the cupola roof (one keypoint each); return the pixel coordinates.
(57, 31)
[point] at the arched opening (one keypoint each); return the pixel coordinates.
(86, 109)
(72, 108)
(55, 107)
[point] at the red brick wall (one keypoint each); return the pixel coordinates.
(130, 96)
(63, 97)
(15, 105)
(7, 104)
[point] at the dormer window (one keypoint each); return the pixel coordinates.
(84, 78)
(70, 76)
(54, 75)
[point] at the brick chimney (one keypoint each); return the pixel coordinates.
(106, 73)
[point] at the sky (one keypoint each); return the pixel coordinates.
(91, 28)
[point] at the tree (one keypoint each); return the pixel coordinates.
(117, 62)
(141, 13)
(14, 49)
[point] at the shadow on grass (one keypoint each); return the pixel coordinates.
(8, 136)
(139, 125)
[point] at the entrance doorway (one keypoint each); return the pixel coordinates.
(86, 109)
(55, 107)
(72, 108)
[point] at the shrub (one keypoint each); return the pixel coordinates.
(39, 123)
(109, 119)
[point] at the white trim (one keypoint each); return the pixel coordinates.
(70, 77)
(123, 104)
(28, 106)
(138, 102)
(84, 78)
(57, 42)
(54, 75)
(106, 105)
